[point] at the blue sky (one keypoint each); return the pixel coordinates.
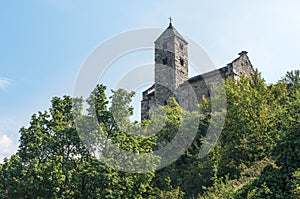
(44, 42)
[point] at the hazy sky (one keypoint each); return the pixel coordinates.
(44, 42)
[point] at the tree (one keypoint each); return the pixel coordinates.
(282, 179)
(52, 161)
(66, 153)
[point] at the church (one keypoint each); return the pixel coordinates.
(171, 73)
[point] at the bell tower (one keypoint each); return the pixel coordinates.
(171, 63)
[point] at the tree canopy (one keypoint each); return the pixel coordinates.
(66, 152)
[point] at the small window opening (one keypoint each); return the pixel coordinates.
(165, 61)
(181, 62)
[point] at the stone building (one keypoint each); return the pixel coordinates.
(171, 73)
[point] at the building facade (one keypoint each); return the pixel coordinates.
(171, 74)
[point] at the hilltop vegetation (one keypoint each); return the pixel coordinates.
(256, 156)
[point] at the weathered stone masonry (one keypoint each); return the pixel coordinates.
(171, 72)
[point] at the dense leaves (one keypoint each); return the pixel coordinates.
(52, 162)
(67, 153)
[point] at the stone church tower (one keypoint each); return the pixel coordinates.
(171, 64)
(171, 72)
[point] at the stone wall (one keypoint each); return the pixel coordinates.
(190, 92)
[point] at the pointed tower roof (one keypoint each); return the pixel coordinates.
(170, 32)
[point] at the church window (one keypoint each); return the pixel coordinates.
(181, 62)
(165, 61)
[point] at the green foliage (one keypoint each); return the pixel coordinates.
(257, 155)
(52, 162)
(188, 171)
(250, 129)
(262, 125)
(281, 181)
(170, 192)
(295, 182)
(224, 187)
